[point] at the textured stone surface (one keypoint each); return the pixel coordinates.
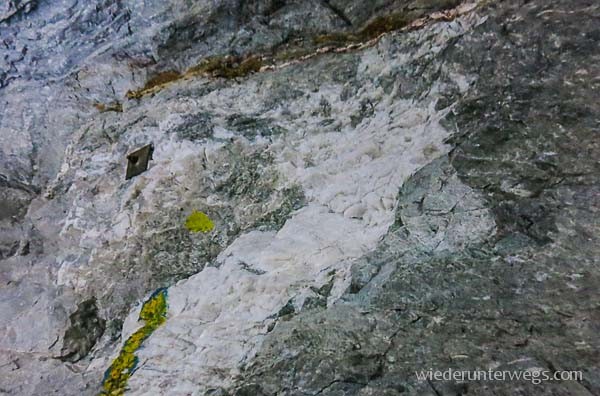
(521, 298)
(429, 200)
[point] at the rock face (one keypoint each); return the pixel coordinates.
(394, 186)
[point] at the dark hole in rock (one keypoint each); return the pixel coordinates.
(137, 161)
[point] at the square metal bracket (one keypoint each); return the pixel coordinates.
(137, 161)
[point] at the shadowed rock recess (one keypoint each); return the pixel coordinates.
(341, 193)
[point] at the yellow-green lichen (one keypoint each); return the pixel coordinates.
(153, 313)
(199, 222)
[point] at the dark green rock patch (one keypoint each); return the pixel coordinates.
(530, 128)
(251, 127)
(292, 199)
(195, 127)
(85, 330)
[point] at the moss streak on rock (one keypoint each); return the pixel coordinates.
(153, 313)
(231, 67)
(155, 83)
(228, 67)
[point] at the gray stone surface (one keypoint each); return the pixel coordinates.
(519, 299)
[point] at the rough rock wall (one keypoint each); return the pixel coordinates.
(427, 200)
